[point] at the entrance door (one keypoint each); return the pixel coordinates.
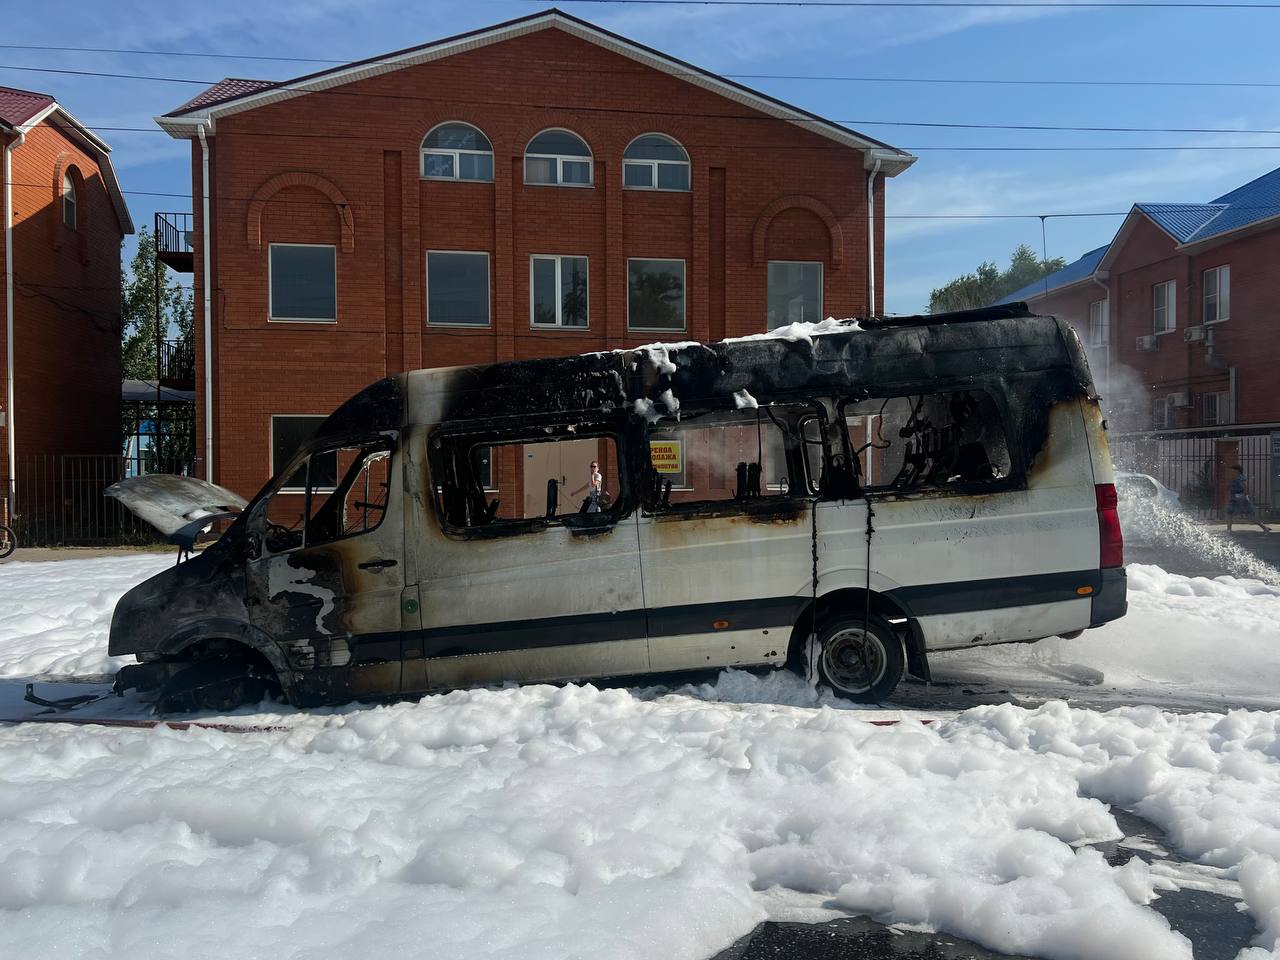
(567, 462)
(329, 573)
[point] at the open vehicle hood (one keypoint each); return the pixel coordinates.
(179, 507)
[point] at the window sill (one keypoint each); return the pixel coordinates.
(1214, 323)
(301, 320)
(648, 330)
(559, 326)
(1165, 333)
(573, 186)
(658, 189)
(460, 326)
(453, 180)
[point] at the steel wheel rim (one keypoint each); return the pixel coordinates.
(843, 655)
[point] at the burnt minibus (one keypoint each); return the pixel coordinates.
(843, 502)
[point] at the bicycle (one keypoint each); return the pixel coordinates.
(8, 539)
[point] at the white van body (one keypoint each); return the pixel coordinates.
(983, 514)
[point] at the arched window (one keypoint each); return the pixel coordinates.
(654, 161)
(68, 200)
(457, 151)
(558, 157)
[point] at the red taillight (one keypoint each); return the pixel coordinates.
(1110, 541)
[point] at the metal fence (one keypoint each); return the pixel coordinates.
(60, 501)
(1196, 464)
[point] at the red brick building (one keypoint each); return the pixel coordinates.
(1178, 312)
(64, 218)
(540, 187)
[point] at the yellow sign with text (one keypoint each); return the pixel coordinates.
(665, 455)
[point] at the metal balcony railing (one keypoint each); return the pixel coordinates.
(173, 238)
(178, 363)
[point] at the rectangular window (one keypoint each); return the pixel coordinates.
(1161, 413)
(733, 455)
(1217, 294)
(655, 295)
(795, 292)
(938, 440)
(458, 288)
(1099, 324)
(1215, 408)
(553, 483)
(1163, 307)
(558, 291)
(344, 494)
(288, 433)
(637, 174)
(303, 282)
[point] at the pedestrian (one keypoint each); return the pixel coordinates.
(594, 487)
(1240, 507)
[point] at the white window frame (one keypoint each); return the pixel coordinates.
(1221, 408)
(1170, 290)
(424, 152)
(654, 164)
(684, 320)
(69, 201)
(1165, 420)
(822, 287)
(271, 309)
(558, 257)
(271, 449)
(1100, 324)
(1220, 273)
(561, 158)
(488, 285)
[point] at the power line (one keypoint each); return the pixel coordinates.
(818, 78)
(961, 4)
(1062, 128)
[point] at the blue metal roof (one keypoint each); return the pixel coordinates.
(1193, 222)
(1181, 220)
(1077, 270)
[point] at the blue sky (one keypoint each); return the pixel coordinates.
(1186, 45)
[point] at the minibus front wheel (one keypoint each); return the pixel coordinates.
(860, 659)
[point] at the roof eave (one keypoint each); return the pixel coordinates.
(183, 125)
(1248, 229)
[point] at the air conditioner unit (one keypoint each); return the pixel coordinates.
(1193, 334)
(1182, 399)
(1147, 344)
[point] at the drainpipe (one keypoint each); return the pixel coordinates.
(871, 232)
(208, 305)
(1106, 362)
(10, 368)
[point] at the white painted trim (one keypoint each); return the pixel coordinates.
(654, 164)
(271, 317)
(684, 319)
(822, 288)
(207, 259)
(424, 151)
(1171, 308)
(561, 159)
(1218, 280)
(10, 368)
(488, 283)
(898, 160)
(559, 324)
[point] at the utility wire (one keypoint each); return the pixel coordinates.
(817, 78)
(962, 4)
(679, 114)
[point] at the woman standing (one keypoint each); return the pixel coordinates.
(1240, 507)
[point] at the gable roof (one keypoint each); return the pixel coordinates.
(19, 106)
(22, 110)
(1072, 273)
(1188, 224)
(225, 98)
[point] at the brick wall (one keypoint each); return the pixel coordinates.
(1148, 257)
(761, 188)
(66, 304)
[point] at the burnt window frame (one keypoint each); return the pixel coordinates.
(1014, 480)
(387, 440)
(533, 430)
(768, 503)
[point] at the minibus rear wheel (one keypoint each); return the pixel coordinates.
(850, 648)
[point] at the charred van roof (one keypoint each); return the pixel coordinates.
(1006, 343)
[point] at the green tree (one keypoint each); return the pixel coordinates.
(138, 310)
(163, 436)
(989, 283)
